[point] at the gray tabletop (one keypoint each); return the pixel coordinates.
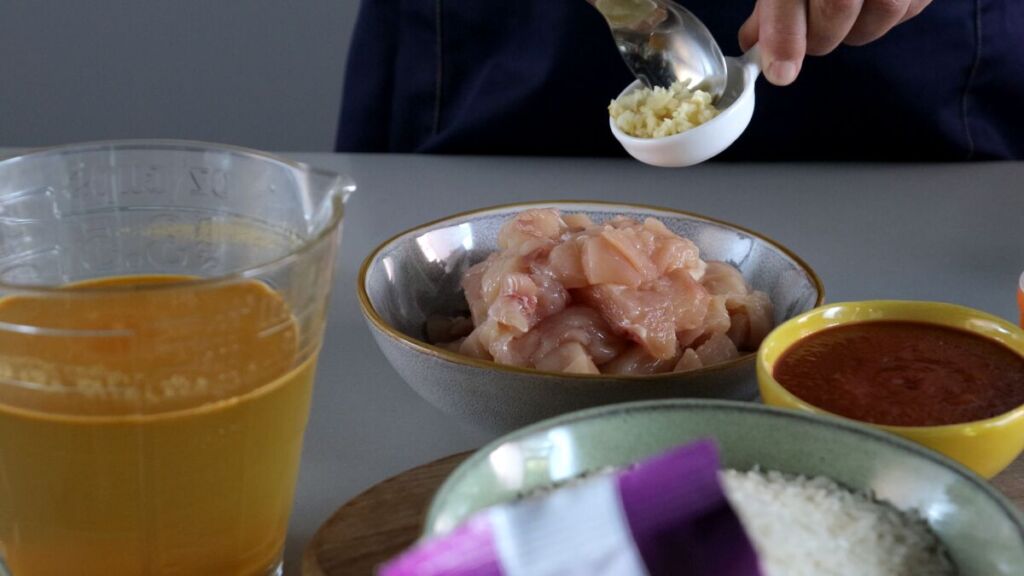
(949, 232)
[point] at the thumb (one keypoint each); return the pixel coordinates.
(782, 34)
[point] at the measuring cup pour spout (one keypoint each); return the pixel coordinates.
(325, 194)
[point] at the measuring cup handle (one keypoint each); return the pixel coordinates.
(752, 60)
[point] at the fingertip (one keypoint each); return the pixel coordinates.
(916, 7)
(782, 72)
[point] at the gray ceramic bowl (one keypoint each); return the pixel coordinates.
(417, 274)
(983, 531)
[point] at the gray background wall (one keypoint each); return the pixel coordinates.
(260, 73)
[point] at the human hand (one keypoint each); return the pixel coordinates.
(787, 30)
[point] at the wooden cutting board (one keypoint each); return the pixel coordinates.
(388, 517)
(378, 523)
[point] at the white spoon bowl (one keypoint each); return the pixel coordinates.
(709, 139)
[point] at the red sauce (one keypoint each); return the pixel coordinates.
(903, 373)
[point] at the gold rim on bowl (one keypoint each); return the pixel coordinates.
(443, 354)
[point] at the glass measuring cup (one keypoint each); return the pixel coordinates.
(162, 304)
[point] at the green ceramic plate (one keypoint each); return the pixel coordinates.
(982, 529)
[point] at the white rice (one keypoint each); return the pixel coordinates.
(812, 526)
(659, 112)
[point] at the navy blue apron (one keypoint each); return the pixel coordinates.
(535, 77)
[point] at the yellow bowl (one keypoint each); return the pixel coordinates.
(985, 446)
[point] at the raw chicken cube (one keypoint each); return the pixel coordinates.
(544, 223)
(688, 361)
(570, 357)
(688, 298)
(637, 361)
(721, 278)
(565, 264)
(718, 348)
(604, 263)
(579, 324)
(759, 313)
(516, 306)
(578, 222)
(646, 316)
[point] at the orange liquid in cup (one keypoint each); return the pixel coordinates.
(170, 450)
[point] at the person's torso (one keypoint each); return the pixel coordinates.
(535, 77)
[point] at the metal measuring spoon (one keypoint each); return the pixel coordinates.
(663, 43)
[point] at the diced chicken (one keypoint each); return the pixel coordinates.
(646, 316)
(688, 361)
(646, 240)
(672, 251)
(697, 269)
(516, 306)
(498, 341)
(658, 228)
(472, 346)
(544, 223)
(622, 222)
(739, 329)
(635, 249)
(579, 324)
(617, 256)
(472, 287)
(533, 249)
(603, 263)
(754, 311)
(688, 298)
(622, 297)
(637, 361)
(691, 338)
(552, 297)
(493, 278)
(678, 253)
(720, 278)
(518, 284)
(565, 264)
(716, 349)
(716, 321)
(578, 222)
(570, 357)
